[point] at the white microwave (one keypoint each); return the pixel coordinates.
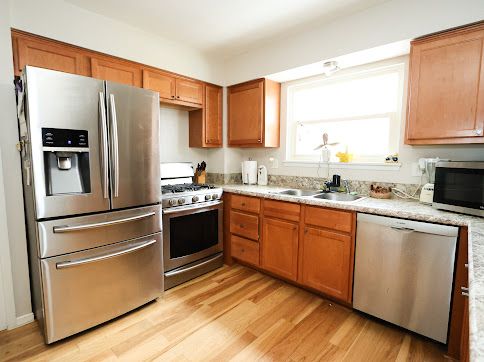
(459, 187)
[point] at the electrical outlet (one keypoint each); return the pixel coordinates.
(416, 170)
(274, 162)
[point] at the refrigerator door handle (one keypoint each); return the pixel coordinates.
(71, 263)
(104, 146)
(67, 228)
(115, 144)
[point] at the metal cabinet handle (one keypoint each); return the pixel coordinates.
(104, 146)
(242, 226)
(464, 289)
(478, 132)
(71, 263)
(115, 144)
(465, 294)
(466, 266)
(67, 228)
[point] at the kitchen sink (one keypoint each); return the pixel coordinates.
(338, 197)
(296, 192)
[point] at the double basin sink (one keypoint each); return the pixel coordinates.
(335, 196)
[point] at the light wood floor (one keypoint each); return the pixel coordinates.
(234, 313)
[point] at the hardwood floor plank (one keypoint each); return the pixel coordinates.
(234, 313)
(264, 342)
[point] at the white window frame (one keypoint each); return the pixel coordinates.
(396, 118)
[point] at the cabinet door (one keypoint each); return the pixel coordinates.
(189, 91)
(115, 71)
(160, 82)
(280, 247)
(246, 114)
(213, 115)
(325, 259)
(446, 96)
(50, 56)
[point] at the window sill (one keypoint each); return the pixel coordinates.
(377, 166)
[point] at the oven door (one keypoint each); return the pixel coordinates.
(191, 233)
(459, 186)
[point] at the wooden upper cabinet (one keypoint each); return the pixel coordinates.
(42, 54)
(160, 82)
(253, 114)
(189, 91)
(206, 123)
(279, 247)
(116, 71)
(326, 261)
(446, 88)
(213, 115)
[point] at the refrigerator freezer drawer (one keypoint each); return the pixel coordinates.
(83, 289)
(69, 235)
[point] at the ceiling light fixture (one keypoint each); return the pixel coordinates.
(330, 67)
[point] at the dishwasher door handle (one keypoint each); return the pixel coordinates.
(402, 228)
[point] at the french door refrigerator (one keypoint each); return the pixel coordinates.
(91, 175)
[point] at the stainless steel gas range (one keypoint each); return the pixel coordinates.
(192, 225)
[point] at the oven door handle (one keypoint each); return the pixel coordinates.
(191, 207)
(184, 270)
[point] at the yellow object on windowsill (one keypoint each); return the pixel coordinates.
(345, 157)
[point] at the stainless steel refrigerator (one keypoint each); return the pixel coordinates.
(91, 175)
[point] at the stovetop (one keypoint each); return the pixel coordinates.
(183, 195)
(171, 189)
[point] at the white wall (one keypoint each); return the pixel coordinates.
(383, 24)
(62, 21)
(407, 154)
(12, 179)
(386, 23)
(174, 138)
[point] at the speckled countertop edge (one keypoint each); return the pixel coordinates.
(415, 211)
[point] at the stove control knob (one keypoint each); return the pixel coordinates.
(181, 201)
(214, 197)
(195, 198)
(207, 197)
(172, 202)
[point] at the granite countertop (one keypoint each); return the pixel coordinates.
(416, 211)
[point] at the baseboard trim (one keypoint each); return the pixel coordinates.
(24, 319)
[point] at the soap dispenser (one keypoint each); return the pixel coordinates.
(262, 175)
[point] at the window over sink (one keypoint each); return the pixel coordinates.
(360, 109)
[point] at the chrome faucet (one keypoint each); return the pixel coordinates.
(347, 186)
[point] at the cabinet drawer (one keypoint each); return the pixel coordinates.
(282, 210)
(250, 204)
(329, 218)
(245, 250)
(245, 225)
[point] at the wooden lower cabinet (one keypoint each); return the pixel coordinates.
(245, 250)
(325, 262)
(279, 247)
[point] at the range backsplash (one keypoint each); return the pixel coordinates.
(300, 182)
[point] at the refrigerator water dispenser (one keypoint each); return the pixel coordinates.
(66, 161)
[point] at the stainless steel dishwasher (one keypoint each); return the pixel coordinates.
(404, 271)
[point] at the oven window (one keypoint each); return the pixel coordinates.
(192, 233)
(460, 187)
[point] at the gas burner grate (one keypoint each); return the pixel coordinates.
(167, 189)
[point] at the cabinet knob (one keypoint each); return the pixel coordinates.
(478, 132)
(242, 226)
(259, 140)
(243, 204)
(466, 265)
(178, 96)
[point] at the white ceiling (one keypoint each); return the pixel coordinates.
(224, 27)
